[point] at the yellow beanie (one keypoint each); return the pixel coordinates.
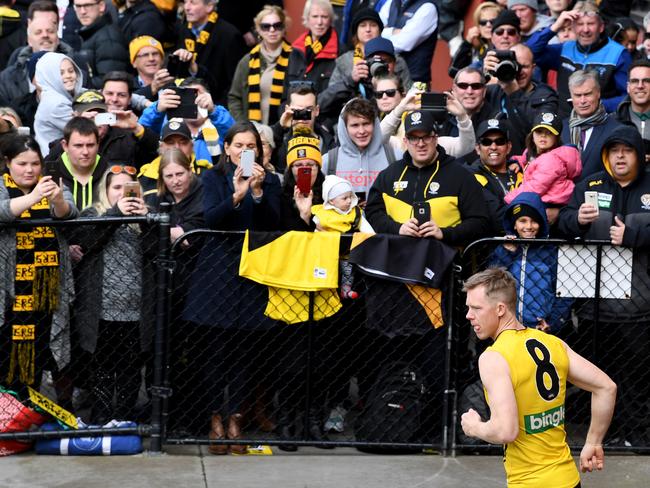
(304, 148)
(143, 41)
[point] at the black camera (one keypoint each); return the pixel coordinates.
(302, 114)
(507, 68)
(377, 66)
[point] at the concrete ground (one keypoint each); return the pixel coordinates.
(192, 467)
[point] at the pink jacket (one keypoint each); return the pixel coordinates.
(550, 175)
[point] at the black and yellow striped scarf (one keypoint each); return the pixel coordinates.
(254, 79)
(204, 36)
(312, 48)
(36, 287)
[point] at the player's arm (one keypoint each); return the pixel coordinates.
(503, 426)
(589, 377)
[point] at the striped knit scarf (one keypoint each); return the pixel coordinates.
(578, 124)
(204, 36)
(312, 48)
(254, 78)
(36, 287)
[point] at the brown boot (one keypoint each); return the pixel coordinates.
(217, 432)
(265, 423)
(234, 433)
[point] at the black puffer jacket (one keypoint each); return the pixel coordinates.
(144, 19)
(13, 79)
(103, 49)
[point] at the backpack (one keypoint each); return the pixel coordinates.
(393, 411)
(333, 158)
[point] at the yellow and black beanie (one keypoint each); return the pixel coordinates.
(304, 148)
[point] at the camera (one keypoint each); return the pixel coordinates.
(376, 66)
(302, 114)
(507, 67)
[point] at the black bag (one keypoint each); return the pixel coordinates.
(394, 408)
(472, 397)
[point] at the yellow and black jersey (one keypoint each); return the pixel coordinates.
(456, 199)
(539, 366)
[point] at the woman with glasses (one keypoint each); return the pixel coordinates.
(110, 306)
(35, 270)
(257, 86)
(477, 39)
(393, 103)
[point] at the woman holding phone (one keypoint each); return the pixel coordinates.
(35, 270)
(111, 309)
(225, 309)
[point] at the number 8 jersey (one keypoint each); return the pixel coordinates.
(540, 456)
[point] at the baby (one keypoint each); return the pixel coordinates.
(340, 213)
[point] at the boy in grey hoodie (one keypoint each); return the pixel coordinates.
(59, 81)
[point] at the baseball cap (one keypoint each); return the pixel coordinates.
(175, 127)
(498, 125)
(548, 121)
(89, 100)
(419, 120)
(378, 45)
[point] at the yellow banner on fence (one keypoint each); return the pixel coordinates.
(53, 409)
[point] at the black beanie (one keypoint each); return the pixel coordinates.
(366, 14)
(507, 17)
(523, 210)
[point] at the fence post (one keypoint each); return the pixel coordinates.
(309, 369)
(158, 390)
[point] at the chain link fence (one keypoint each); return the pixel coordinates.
(123, 325)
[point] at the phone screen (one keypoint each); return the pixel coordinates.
(247, 158)
(433, 100)
(303, 181)
(188, 108)
(132, 189)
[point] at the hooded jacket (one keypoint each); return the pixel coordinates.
(360, 168)
(534, 268)
(453, 194)
(55, 107)
(550, 175)
(629, 203)
(331, 218)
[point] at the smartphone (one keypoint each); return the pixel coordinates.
(303, 181)
(176, 67)
(591, 197)
(247, 158)
(422, 212)
(434, 101)
(52, 169)
(132, 189)
(188, 108)
(105, 119)
(23, 131)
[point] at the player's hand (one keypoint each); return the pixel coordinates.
(469, 420)
(592, 457)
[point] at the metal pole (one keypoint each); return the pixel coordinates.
(308, 373)
(158, 390)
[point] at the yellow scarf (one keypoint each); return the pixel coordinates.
(204, 36)
(254, 78)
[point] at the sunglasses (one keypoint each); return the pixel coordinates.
(485, 22)
(117, 169)
(500, 31)
(499, 141)
(379, 94)
(265, 27)
(474, 86)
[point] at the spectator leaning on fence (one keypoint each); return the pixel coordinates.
(536, 451)
(623, 218)
(40, 313)
(427, 176)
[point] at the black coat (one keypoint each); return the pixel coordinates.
(103, 49)
(144, 19)
(12, 36)
(218, 59)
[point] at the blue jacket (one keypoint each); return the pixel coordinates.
(609, 58)
(534, 267)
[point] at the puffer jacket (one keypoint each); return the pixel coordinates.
(550, 175)
(103, 49)
(534, 268)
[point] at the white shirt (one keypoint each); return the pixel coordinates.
(416, 30)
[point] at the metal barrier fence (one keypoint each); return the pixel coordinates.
(228, 362)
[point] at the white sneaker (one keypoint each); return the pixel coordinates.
(336, 420)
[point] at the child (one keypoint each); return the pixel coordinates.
(340, 213)
(549, 168)
(59, 81)
(534, 267)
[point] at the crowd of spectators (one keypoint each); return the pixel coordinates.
(209, 107)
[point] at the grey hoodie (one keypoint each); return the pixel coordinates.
(55, 105)
(359, 168)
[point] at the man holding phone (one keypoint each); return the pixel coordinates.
(427, 176)
(622, 217)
